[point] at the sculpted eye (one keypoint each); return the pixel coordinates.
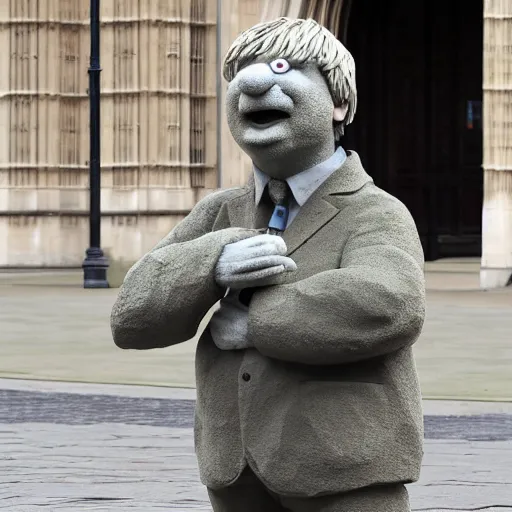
(280, 66)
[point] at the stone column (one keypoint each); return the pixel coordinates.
(44, 133)
(234, 17)
(496, 269)
(158, 145)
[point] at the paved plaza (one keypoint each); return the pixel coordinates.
(52, 329)
(113, 449)
(112, 445)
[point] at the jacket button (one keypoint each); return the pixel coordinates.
(246, 377)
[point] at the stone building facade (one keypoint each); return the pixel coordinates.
(425, 69)
(158, 117)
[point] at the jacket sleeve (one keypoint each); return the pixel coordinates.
(372, 305)
(167, 293)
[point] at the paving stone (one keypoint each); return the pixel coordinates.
(67, 460)
(463, 353)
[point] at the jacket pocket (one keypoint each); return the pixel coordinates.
(348, 422)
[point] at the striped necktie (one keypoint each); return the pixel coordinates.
(279, 193)
(274, 206)
(273, 209)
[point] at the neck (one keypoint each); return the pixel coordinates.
(290, 163)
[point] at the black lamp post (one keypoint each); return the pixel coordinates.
(95, 264)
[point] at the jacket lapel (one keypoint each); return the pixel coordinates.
(313, 215)
(239, 211)
(319, 210)
(310, 219)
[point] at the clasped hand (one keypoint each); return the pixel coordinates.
(253, 262)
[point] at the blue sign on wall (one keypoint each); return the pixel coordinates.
(473, 115)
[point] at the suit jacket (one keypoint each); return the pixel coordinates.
(328, 400)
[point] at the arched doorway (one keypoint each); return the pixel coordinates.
(418, 127)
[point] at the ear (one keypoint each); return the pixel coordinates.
(340, 112)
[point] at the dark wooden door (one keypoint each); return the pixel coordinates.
(418, 125)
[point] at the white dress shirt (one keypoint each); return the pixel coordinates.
(229, 324)
(302, 185)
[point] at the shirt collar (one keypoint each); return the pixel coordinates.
(304, 184)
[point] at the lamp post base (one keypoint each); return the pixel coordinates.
(95, 268)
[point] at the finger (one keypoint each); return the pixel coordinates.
(237, 254)
(259, 240)
(257, 275)
(269, 249)
(279, 244)
(259, 264)
(253, 241)
(289, 264)
(276, 241)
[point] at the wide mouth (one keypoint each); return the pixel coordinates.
(267, 116)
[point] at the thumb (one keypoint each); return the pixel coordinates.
(289, 264)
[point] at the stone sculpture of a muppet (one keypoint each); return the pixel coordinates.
(307, 393)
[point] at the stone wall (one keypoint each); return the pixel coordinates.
(235, 16)
(497, 87)
(158, 124)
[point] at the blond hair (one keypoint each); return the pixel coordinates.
(300, 41)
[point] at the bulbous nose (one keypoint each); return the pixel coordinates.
(255, 79)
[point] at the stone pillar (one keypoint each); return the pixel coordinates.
(234, 17)
(44, 132)
(496, 269)
(158, 146)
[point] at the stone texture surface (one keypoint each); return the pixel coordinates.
(73, 451)
(120, 448)
(19, 406)
(463, 353)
